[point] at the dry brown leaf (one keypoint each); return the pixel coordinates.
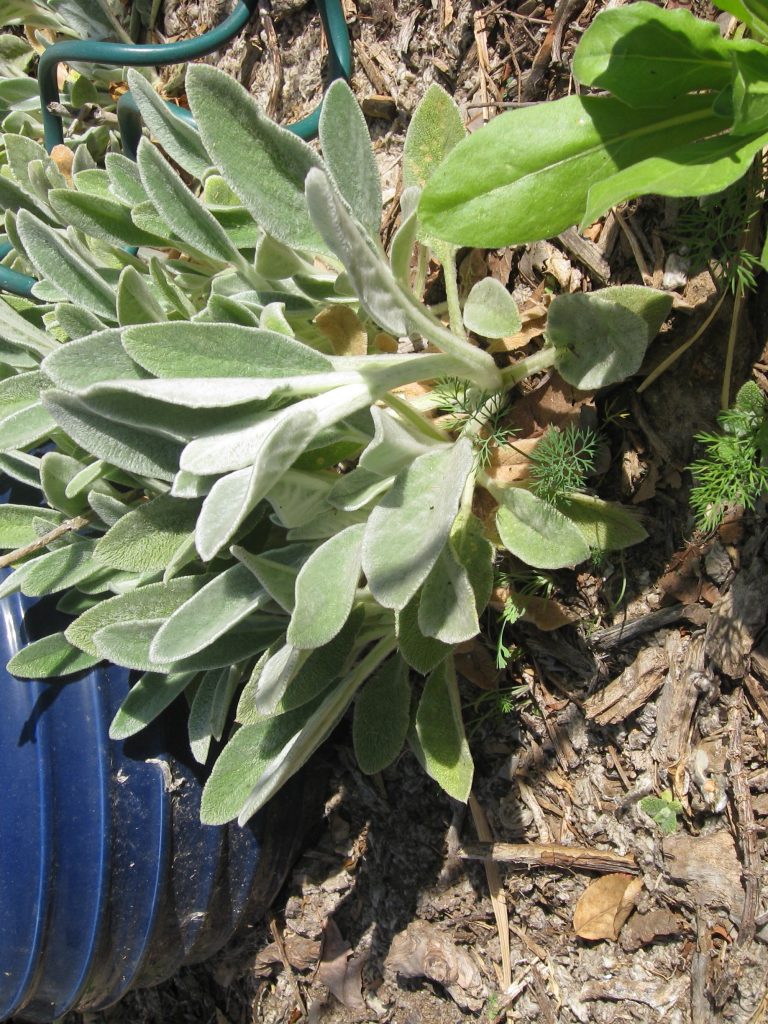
(557, 404)
(63, 157)
(474, 662)
(344, 329)
(534, 320)
(385, 343)
(605, 905)
(511, 463)
(339, 970)
(424, 951)
(302, 954)
(643, 929)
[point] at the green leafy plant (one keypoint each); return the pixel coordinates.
(733, 471)
(684, 114)
(664, 810)
(562, 461)
(245, 501)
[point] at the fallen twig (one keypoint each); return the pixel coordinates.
(496, 889)
(552, 855)
(746, 828)
(77, 523)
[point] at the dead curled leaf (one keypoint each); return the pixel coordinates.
(605, 905)
(341, 971)
(424, 951)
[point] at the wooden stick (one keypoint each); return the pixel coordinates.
(552, 855)
(747, 829)
(47, 538)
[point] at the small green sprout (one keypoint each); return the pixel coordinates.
(664, 811)
(733, 469)
(562, 461)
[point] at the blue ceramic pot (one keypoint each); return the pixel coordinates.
(108, 880)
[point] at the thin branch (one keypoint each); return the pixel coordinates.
(77, 523)
(552, 855)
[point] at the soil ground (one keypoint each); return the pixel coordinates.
(384, 918)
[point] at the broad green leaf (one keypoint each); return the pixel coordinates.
(125, 447)
(187, 217)
(18, 524)
(323, 666)
(476, 554)
(147, 698)
(394, 444)
(438, 738)
(535, 532)
(598, 342)
(199, 722)
(401, 249)
(275, 674)
(211, 612)
(264, 164)
(245, 759)
(16, 199)
(25, 428)
(604, 525)
(147, 538)
(77, 322)
(382, 716)
(298, 496)
(649, 303)
(129, 644)
(527, 173)
(358, 488)
(276, 570)
(124, 179)
(49, 658)
(491, 311)
(261, 763)
(646, 56)
(14, 328)
(100, 217)
(219, 350)
(154, 601)
(21, 391)
(58, 570)
(695, 169)
(325, 589)
(53, 260)
(135, 302)
(423, 653)
(348, 155)
(20, 152)
(56, 472)
(409, 527)
(22, 467)
(435, 128)
(89, 360)
(178, 138)
(754, 14)
(95, 182)
(447, 605)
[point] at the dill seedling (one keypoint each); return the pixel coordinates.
(473, 413)
(732, 470)
(711, 231)
(562, 461)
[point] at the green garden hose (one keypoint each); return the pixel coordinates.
(131, 55)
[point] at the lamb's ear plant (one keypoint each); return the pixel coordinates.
(246, 501)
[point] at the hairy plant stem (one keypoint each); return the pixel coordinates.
(544, 359)
(422, 261)
(455, 318)
(416, 418)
